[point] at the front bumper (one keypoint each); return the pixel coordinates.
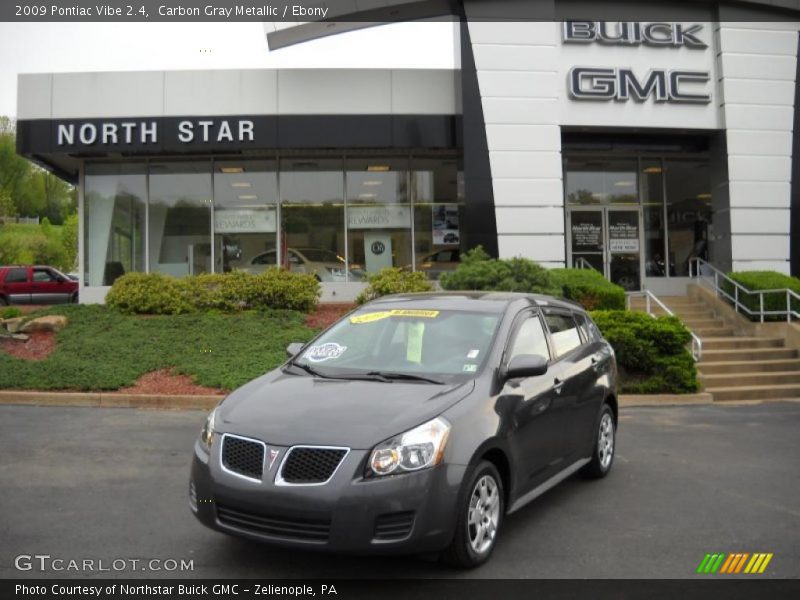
(408, 513)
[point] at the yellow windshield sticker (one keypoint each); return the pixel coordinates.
(414, 348)
(385, 314)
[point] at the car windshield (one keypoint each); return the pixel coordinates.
(436, 345)
(320, 255)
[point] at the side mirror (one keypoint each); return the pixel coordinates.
(293, 349)
(526, 365)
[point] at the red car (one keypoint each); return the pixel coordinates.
(36, 285)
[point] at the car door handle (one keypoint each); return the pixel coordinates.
(557, 385)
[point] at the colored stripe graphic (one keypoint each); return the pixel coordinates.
(735, 563)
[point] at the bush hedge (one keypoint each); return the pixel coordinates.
(764, 280)
(10, 312)
(393, 281)
(478, 271)
(651, 353)
(159, 294)
(589, 288)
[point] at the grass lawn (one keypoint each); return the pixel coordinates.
(103, 350)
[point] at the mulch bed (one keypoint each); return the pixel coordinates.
(328, 313)
(37, 347)
(166, 382)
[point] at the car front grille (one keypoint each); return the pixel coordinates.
(315, 529)
(305, 465)
(243, 456)
(394, 526)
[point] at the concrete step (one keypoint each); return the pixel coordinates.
(729, 380)
(746, 354)
(734, 343)
(748, 366)
(755, 392)
(696, 313)
(694, 324)
(714, 332)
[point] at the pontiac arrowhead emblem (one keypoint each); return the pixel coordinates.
(273, 454)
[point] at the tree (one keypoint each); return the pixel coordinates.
(7, 207)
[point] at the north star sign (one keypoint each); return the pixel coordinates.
(146, 132)
(675, 86)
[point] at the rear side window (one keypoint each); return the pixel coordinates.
(584, 328)
(17, 276)
(564, 332)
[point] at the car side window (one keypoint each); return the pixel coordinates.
(17, 276)
(530, 339)
(584, 328)
(43, 276)
(268, 258)
(563, 332)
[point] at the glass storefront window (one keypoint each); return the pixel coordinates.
(378, 214)
(115, 196)
(245, 215)
(437, 188)
(312, 218)
(180, 218)
(652, 192)
(689, 214)
(600, 181)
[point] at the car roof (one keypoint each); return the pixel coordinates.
(487, 301)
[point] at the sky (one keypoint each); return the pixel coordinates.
(70, 47)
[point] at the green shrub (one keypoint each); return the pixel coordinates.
(764, 280)
(651, 353)
(150, 294)
(394, 281)
(589, 288)
(158, 294)
(10, 312)
(478, 271)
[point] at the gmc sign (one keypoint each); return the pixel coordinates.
(594, 83)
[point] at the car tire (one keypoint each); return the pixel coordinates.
(603, 447)
(3, 301)
(74, 298)
(479, 515)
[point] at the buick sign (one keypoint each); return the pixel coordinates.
(633, 34)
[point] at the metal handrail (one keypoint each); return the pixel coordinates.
(582, 263)
(696, 268)
(649, 298)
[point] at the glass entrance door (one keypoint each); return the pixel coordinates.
(607, 239)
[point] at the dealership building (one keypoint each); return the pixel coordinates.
(627, 146)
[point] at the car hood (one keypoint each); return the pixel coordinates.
(285, 410)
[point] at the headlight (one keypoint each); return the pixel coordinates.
(207, 435)
(413, 450)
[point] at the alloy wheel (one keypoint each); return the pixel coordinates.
(605, 441)
(484, 514)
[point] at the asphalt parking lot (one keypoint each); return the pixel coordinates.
(107, 484)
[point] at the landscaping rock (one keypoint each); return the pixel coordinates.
(53, 323)
(20, 337)
(13, 325)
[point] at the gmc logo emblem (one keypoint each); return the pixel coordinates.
(663, 85)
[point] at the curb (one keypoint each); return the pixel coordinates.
(111, 400)
(207, 402)
(629, 400)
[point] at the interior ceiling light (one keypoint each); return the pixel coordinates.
(367, 196)
(378, 168)
(651, 170)
(623, 183)
(703, 196)
(373, 182)
(248, 197)
(241, 184)
(231, 170)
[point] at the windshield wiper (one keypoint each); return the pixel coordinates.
(391, 375)
(310, 370)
